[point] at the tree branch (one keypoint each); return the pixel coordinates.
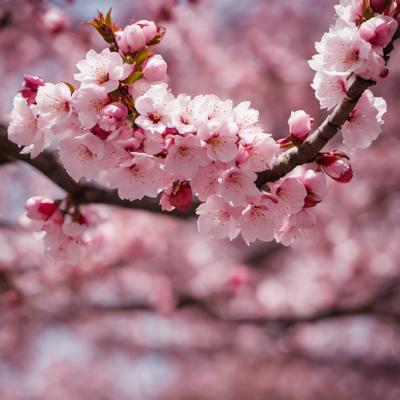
(48, 165)
(307, 151)
(374, 306)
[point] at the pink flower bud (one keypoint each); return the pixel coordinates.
(337, 166)
(39, 208)
(30, 87)
(379, 30)
(131, 39)
(112, 116)
(149, 29)
(155, 69)
(315, 184)
(183, 197)
(300, 125)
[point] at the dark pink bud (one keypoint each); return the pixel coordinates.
(100, 133)
(33, 82)
(337, 166)
(182, 197)
(39, 208)
(30, 87)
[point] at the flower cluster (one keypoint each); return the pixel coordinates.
(64, 227)
(355, 47)
(123, 128)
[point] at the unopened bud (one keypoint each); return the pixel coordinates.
(300, 125)
(337, 166)
(112, 116)
(40, 209)
(182, 197)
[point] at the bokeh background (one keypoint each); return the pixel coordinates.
(159, 312)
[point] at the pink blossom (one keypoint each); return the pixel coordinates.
(290, 194)
(212, 107)
(59, 246)
(24, 130)
(112, 116)
(185, 156)
(260, 149)
(235, 185)
(188, 113)
(53, 104)
(220, 139)
(330, 90)
(218, 219)
(244, 116)
(295, 226)
(350, 10)
(87, 102)
(155, 69)
(378, 30)
(142, 176)
(155, 107)
(300, 124)
(81, 155)
(205, 181)
(341, 50)
(364, 124)
(258, 220)
(106, 69)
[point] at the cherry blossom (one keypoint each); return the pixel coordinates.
(185, 156)
(155, 107)
(218, 219)
(88, 101)
(137, 178)
(364, 123)
(53, 104)
(81, 155)
(125, 129)
(258, 220)
(105, 69)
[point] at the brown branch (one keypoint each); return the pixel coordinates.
(375, 306)
(48, 165)
(308, 150)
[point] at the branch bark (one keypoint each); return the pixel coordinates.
(308, 150)
(48, 165)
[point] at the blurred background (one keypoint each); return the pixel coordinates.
(159, 312)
